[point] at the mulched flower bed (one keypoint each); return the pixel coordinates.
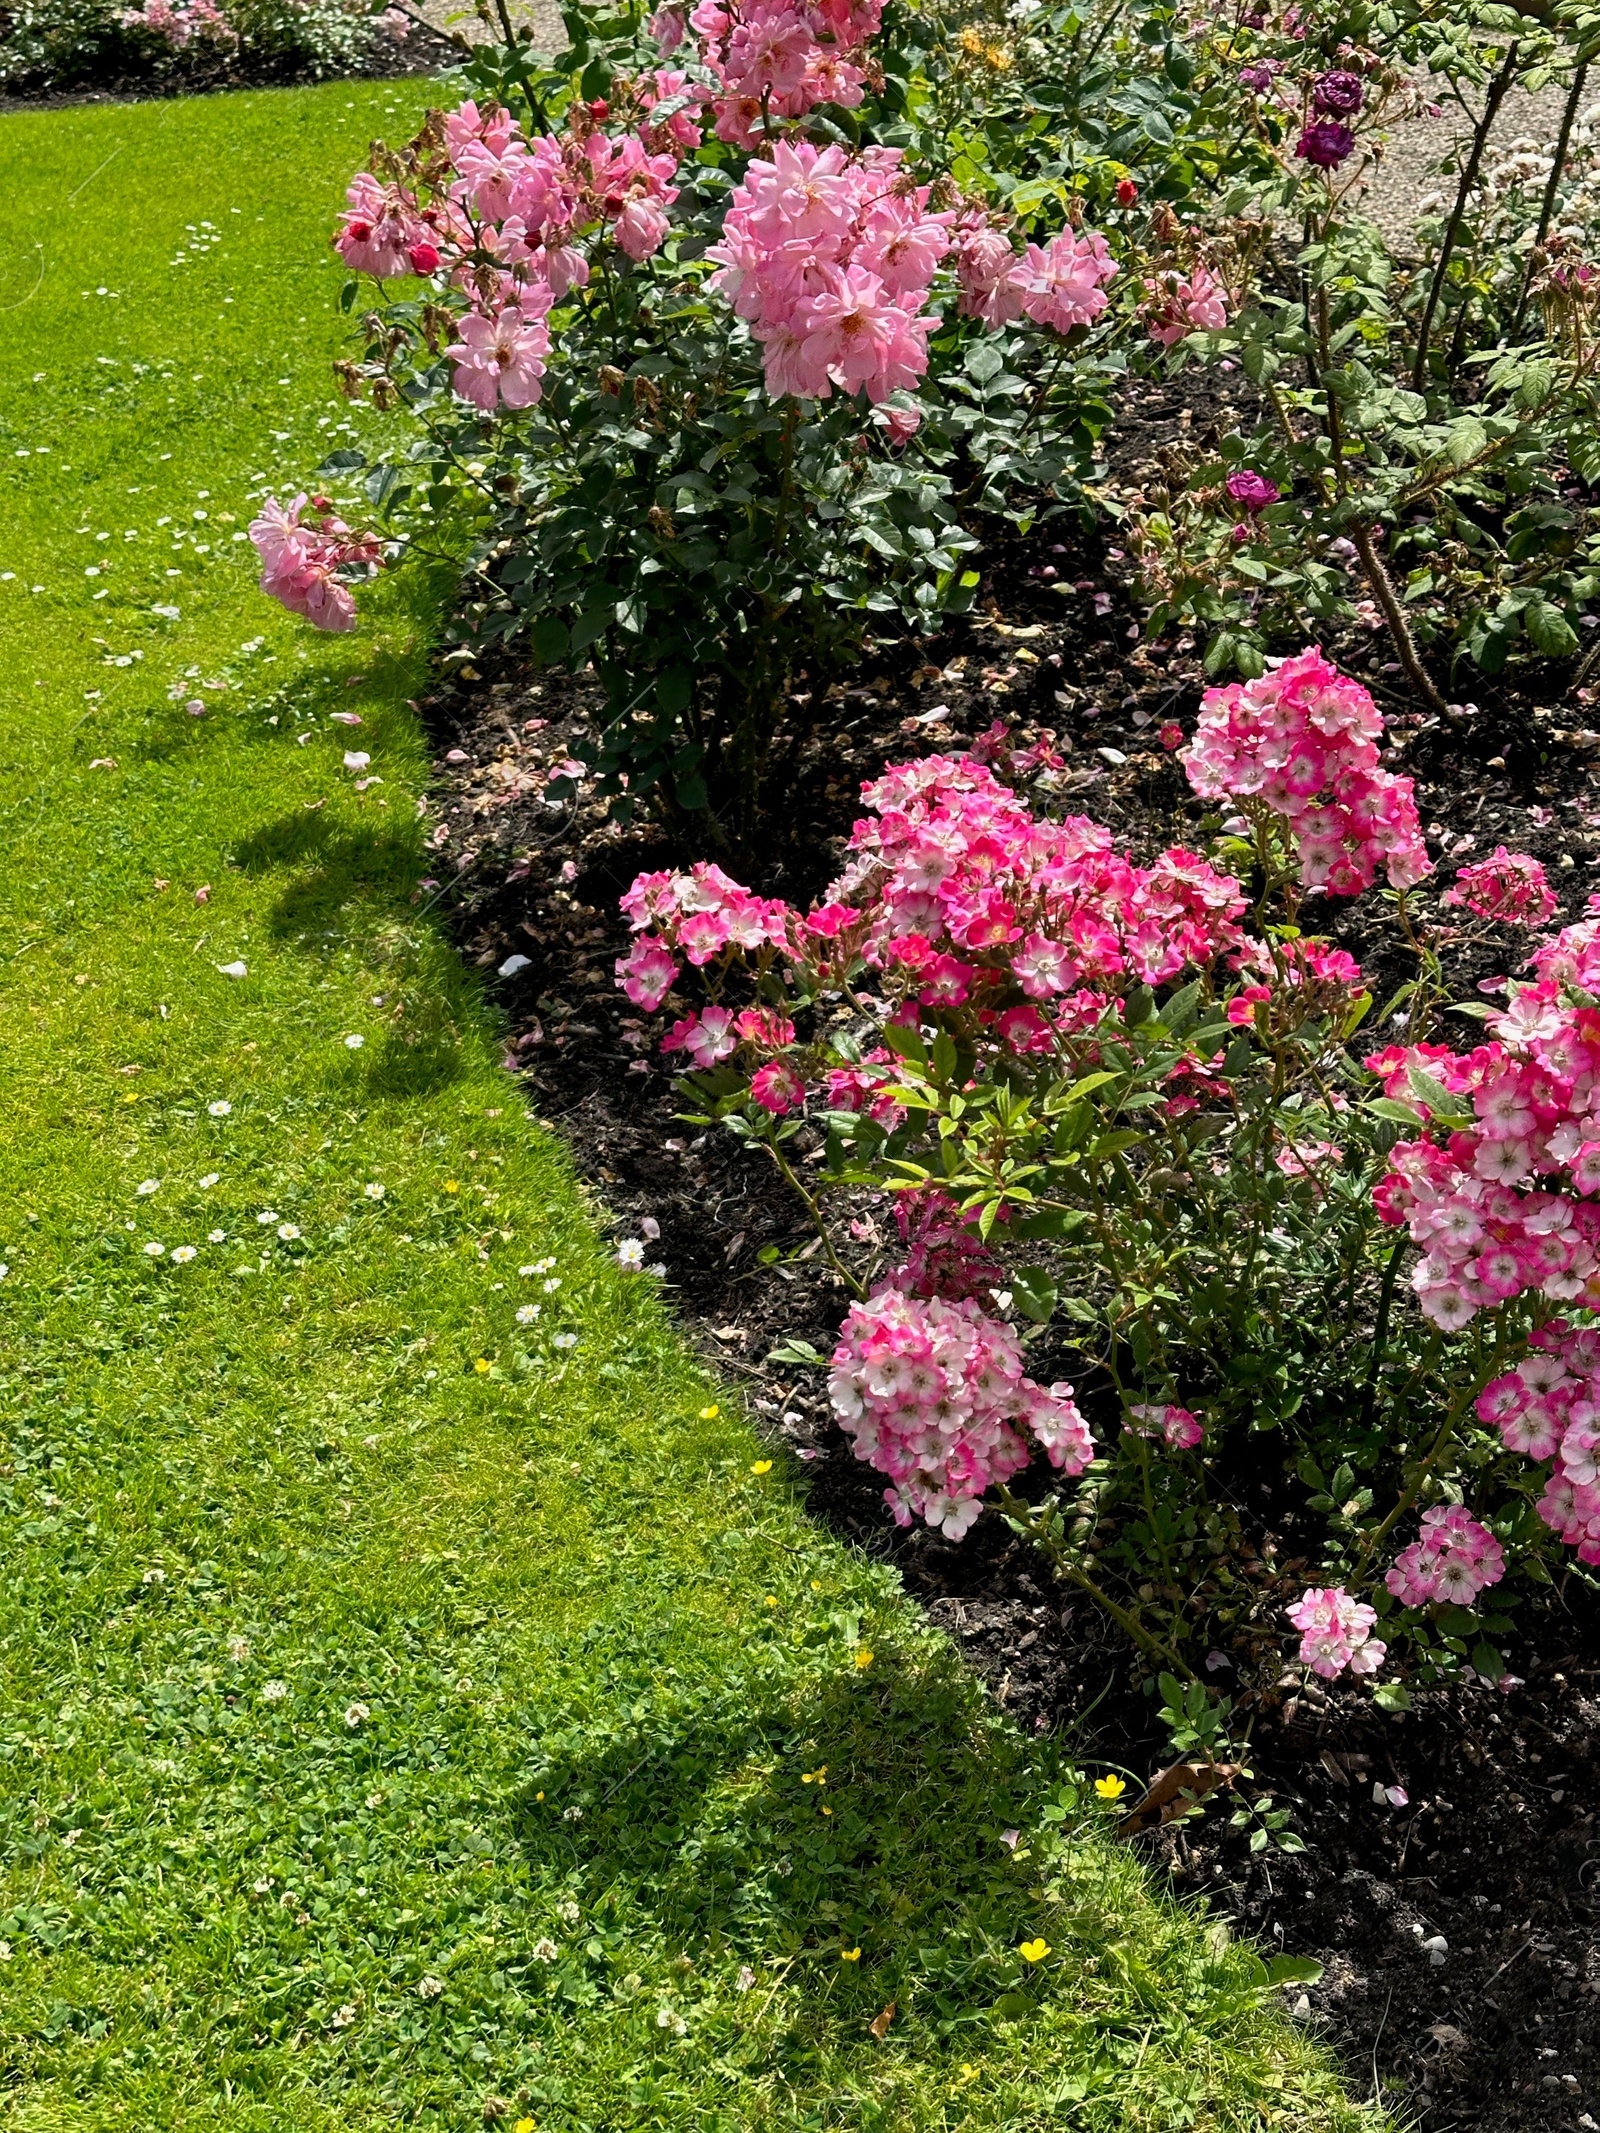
(1458, 1930)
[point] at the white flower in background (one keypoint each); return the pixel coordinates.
(212, 1177)
(630, 1254)
(216, 1236)
(274, 1691)
(526, 1314)
(354, 1042)
(356, 1714)
(238, 1649)
(565, 1340)
(149, 1186)
(373, 1191)
(154, 1251)
(267, 1215)
(430, 1987)
(182, 1254)
(221, 1108)
(545, 1951)
(288, 1232)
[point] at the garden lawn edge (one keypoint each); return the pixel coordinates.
(422, 1702)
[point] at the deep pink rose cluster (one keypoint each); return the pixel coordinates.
(955, 898)
(303, 548)
(1301, 739)
(934, 1395)
(1549, 1408)
(1507, 1207)
(1509, 885)
(1454, 1560)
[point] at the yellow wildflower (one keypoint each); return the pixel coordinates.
(1110, 1788)
(1034, 1951)
(849, 1955)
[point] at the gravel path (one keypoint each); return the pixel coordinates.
(1410, 167)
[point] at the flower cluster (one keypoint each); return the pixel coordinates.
(1455, 1559)
(179, 22)
(301, 559)
(1535, 1097)
(828, 257)
(957, 898)
(1300, 740)
(775, 59)
(1508, 885)
(934, 1395)
(1173, 1425)
(1336, 1632)
(945, 1256)
(1548, 1407)
(1176, 305)
(1061, 284)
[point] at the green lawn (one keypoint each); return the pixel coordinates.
(402, 1707)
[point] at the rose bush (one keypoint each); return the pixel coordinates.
(1121, 1115)
(723, 347)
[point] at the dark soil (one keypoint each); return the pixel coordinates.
(1460, 1931)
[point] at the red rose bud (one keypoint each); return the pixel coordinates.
(599, 108)
(1127, 192)
(424, 257)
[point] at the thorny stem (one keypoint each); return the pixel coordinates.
(1399, 629)
(1425, 1467)
(1380, 1334)
(786, 1171)
(1151, 1646)
(1469, 178)
(1547, 206)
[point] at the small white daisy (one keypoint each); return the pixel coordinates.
(565, 1340)
(630, 1254)
(149, 1186)
(526, 1314)
(267, 1215)
(182, 1254)
(220, 1109)
(154, 1251)
(216, 1236)
(373, 1191)
(552, 1285)
(354, 1042)
(288, 1232)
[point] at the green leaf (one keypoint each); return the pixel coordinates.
(797, 1351)
(1293, 1970)
(1548, 630)
(1034, 1291)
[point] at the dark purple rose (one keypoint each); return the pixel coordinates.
(1251, 491)
(1258, 79)
(1337, 94)
(1326, 144)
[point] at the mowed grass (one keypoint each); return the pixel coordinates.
(414, 1711)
